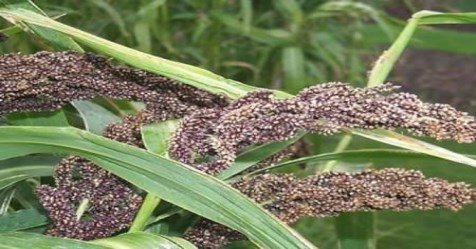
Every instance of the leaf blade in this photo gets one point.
(20, 240)
(22, 219)
(171, 181)
(395, 139)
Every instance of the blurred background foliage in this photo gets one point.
(291, 44)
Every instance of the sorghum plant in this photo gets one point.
(217, 128)
(89, 199)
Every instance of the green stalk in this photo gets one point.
(341, 146)
(156, 138)
(148, 206)
(387, 60)
(214, 39)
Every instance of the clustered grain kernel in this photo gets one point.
(214, 130)
(46, 81)
(112, 204)
(334, 193)
(325, 109)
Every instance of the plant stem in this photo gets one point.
(343, 144)
(148, 206)
(387, 60)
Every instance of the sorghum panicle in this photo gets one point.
(46, 81)
(112, 204)
(259, 118)
(330, 194)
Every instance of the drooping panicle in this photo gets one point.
(46, 81)
(111, 203)
(259, 118)
(334, 193)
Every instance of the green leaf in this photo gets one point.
(395, 139)
(6, 197)
(55, 118)
(56, 39)
(10, 180)
(156, 137)
(293, 66)
(356, 155)
(172, 181)
(11, 30)
(426, 38)
(255, 155)
(143, 36)
(21, 240)
(25, 194)
(181, 242)
(114, 15)
(388, 58)
(17, 169)
(272, 37)
(95, 117)
(247, 14)
(356, 231)
(354, 9)
(146, 210)
(144, 240)
(21, 220)
(147, 16)
(426, 17)
(291, 10)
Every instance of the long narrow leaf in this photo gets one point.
(55, 118)
(272, 37)
(143, 240)
(171, 181)
(253, 156)
(356, 155)
(395, 139)
(17, 169)
(20, 240)
(387, 60)
(426, 17)
(22, 219)
(425, 38)
(156, 137)
(95, 117)
(55, 39)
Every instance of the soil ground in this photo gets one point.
(437, 76)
